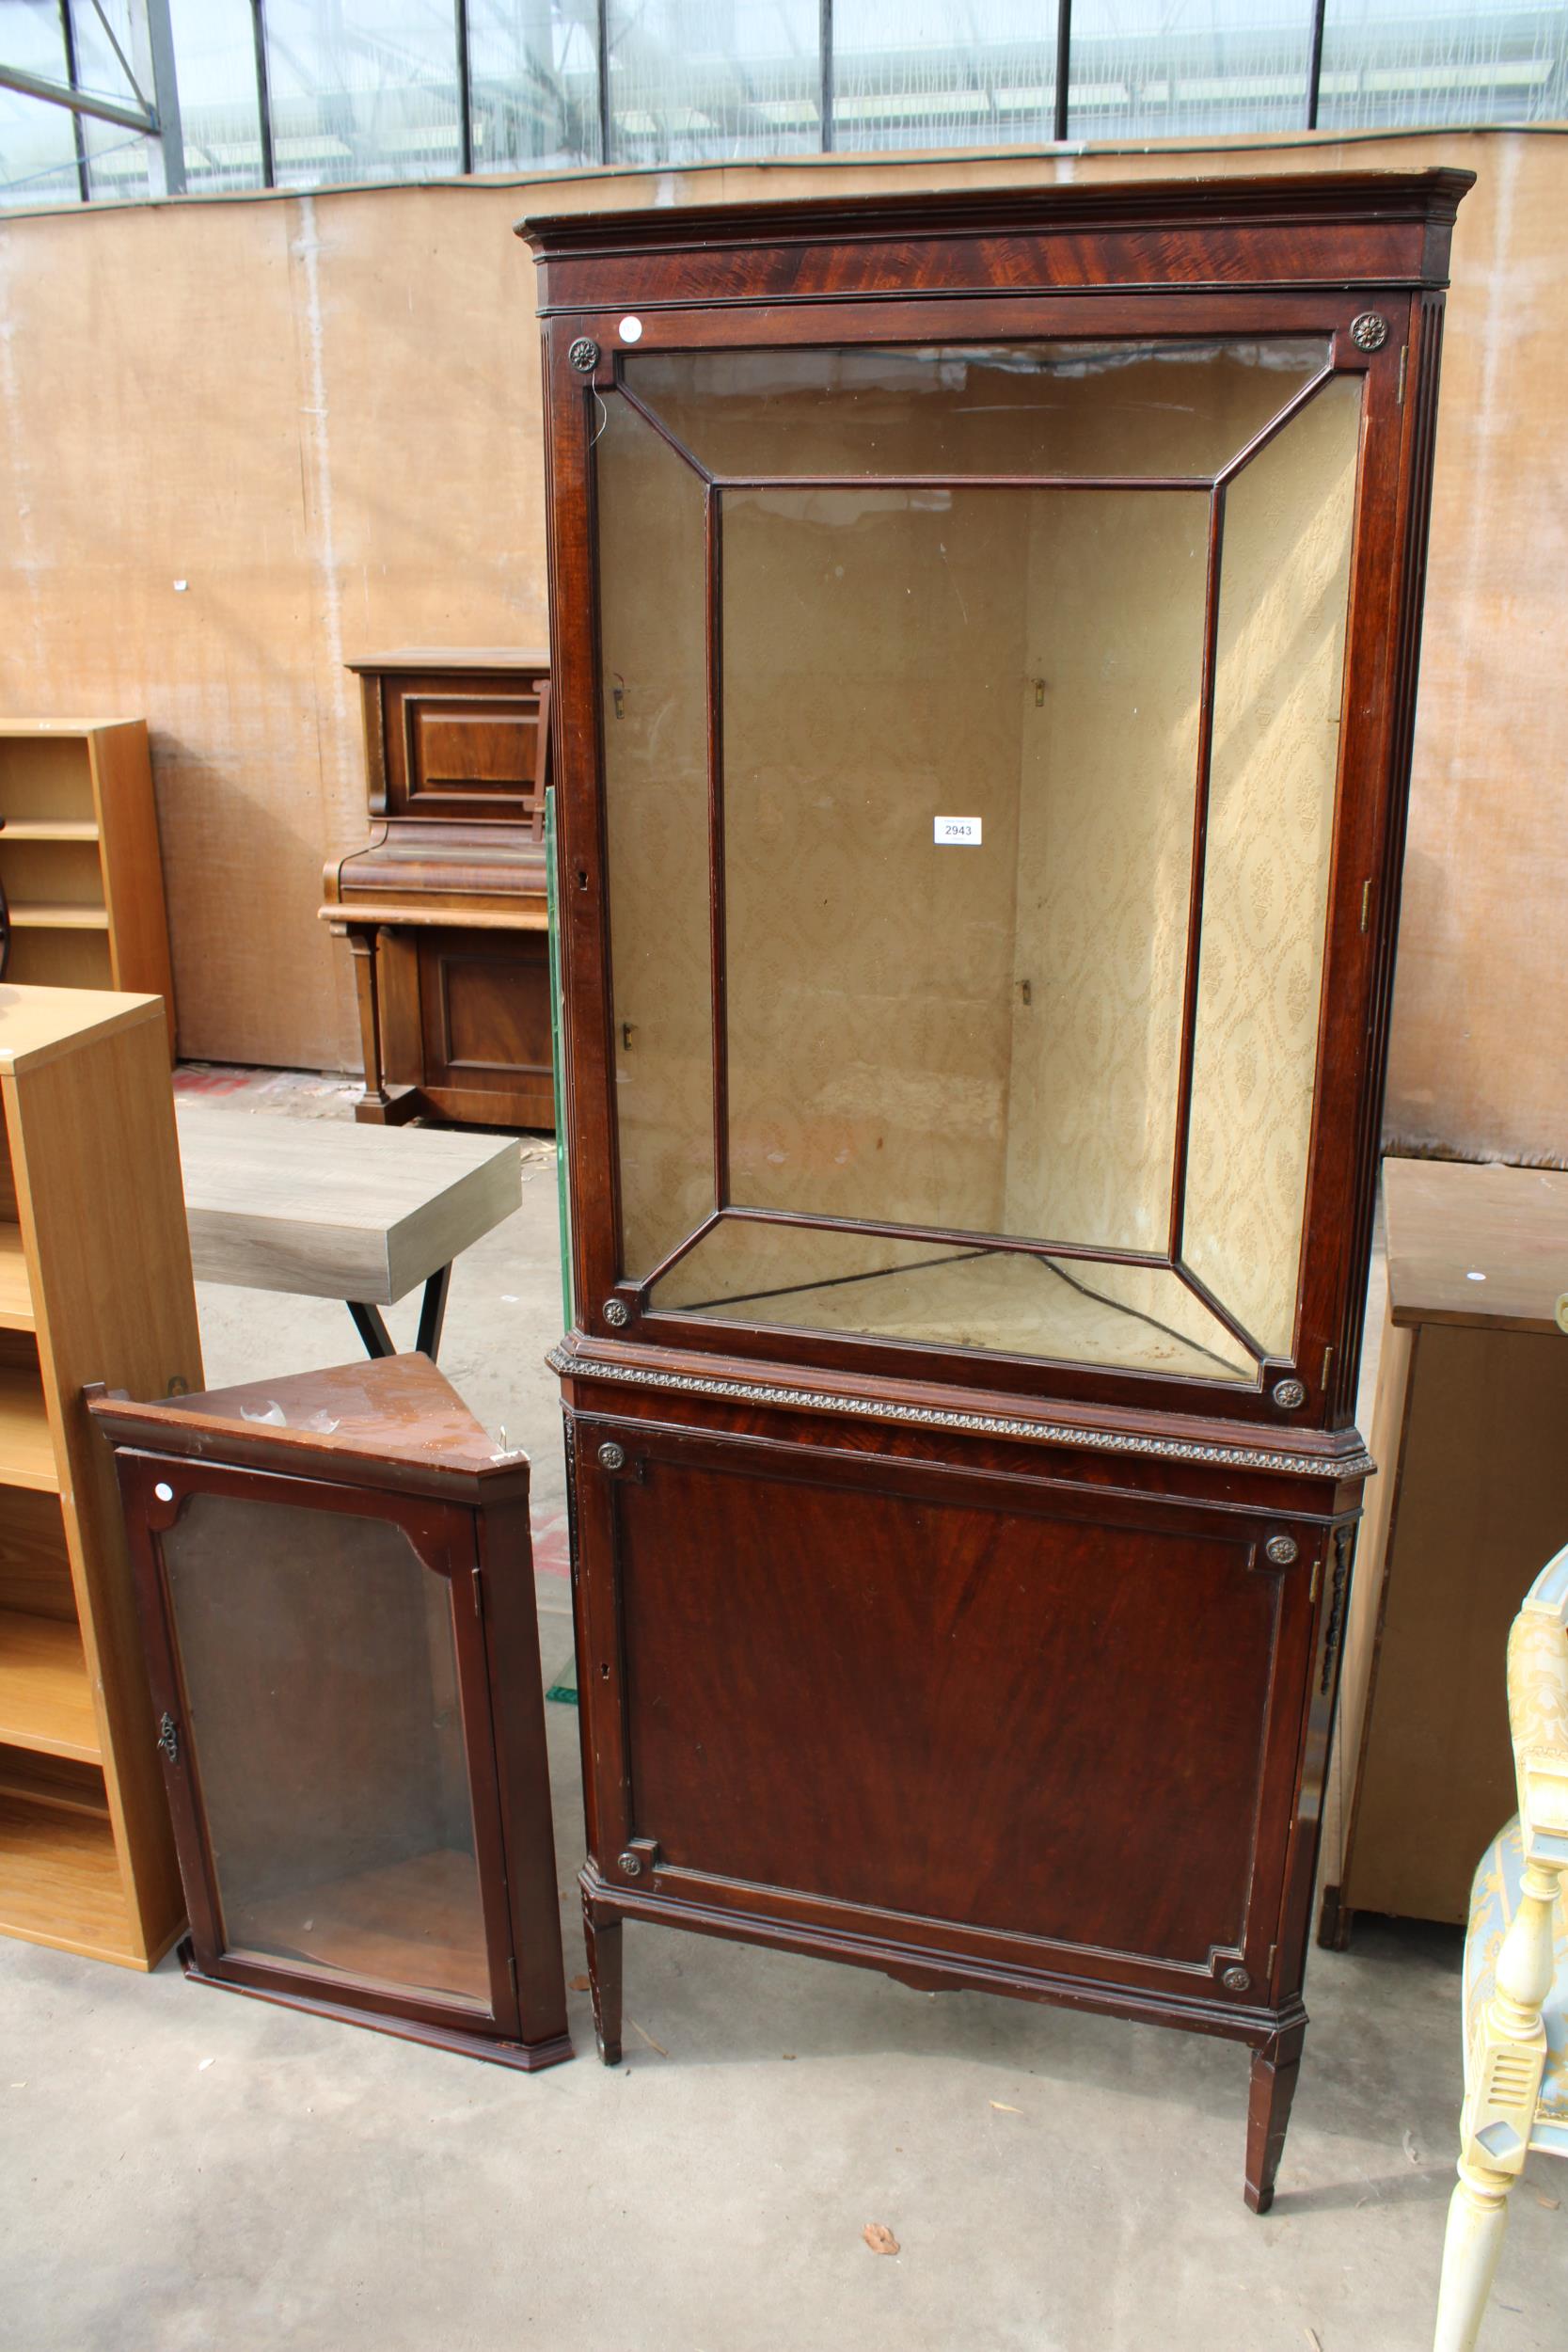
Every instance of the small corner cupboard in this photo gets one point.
(95, 1285)
(985, 646)
(81, 880)
(337, 1591)
(444, 908)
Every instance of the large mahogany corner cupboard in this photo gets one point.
(986, 633)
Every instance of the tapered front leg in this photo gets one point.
(1477, 2213)
(1275, 2068)
(602, 1937)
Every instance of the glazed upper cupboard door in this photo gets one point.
(321, 1682)
(982, 882)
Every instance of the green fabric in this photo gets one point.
(563, 1206)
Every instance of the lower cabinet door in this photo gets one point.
(324, 1716)
(1065, 1722)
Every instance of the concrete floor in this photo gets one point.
(180, 2169)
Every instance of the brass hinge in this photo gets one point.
(1404, 363)
(1273, 1955)
(1317, 1578)
(479, 1606)
(511, 1972)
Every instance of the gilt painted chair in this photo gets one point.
(1515, 1970)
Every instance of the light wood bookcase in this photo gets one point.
(79, 857)
(95, 1285)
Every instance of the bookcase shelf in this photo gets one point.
(79, 854)
(46, 1697)
(95, 1285)
(57, 914)
(61, 1881)
(16, 1291)
(50, 828)
(29, 1777)
(26, 1442)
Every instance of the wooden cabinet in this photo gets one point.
(81, 882)
(444, 908)
(337, 1591)
(1472, 1498)
(986, 633)
(95, 1285)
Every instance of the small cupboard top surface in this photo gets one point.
(983, 723)
(393, 1421)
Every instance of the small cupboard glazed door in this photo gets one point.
(1059, 1730)
(325, 1717)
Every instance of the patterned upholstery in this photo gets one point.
(1494, 1899)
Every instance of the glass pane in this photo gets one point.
(215, 49)
(534, 74)
(116, 158)
(38, 151)
(940, 74)
(702, 80)
(652, 632)
(363, 90)
(214, 52)
(1406, 61)
(326, 1725)
(977, 1038)
(1139, 67)
(1284, 589)
(1074, 408)
(1084, 1311)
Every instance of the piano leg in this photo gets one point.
(375, 1105)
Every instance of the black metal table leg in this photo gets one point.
(372, 1327)
(433, 1311)
(369, 1323)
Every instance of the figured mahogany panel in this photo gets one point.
(948, 1709)
(484, 1010)
(458, 747)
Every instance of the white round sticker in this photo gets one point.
(631, 330)
(165, 1494)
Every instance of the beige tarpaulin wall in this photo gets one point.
(243, 438)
